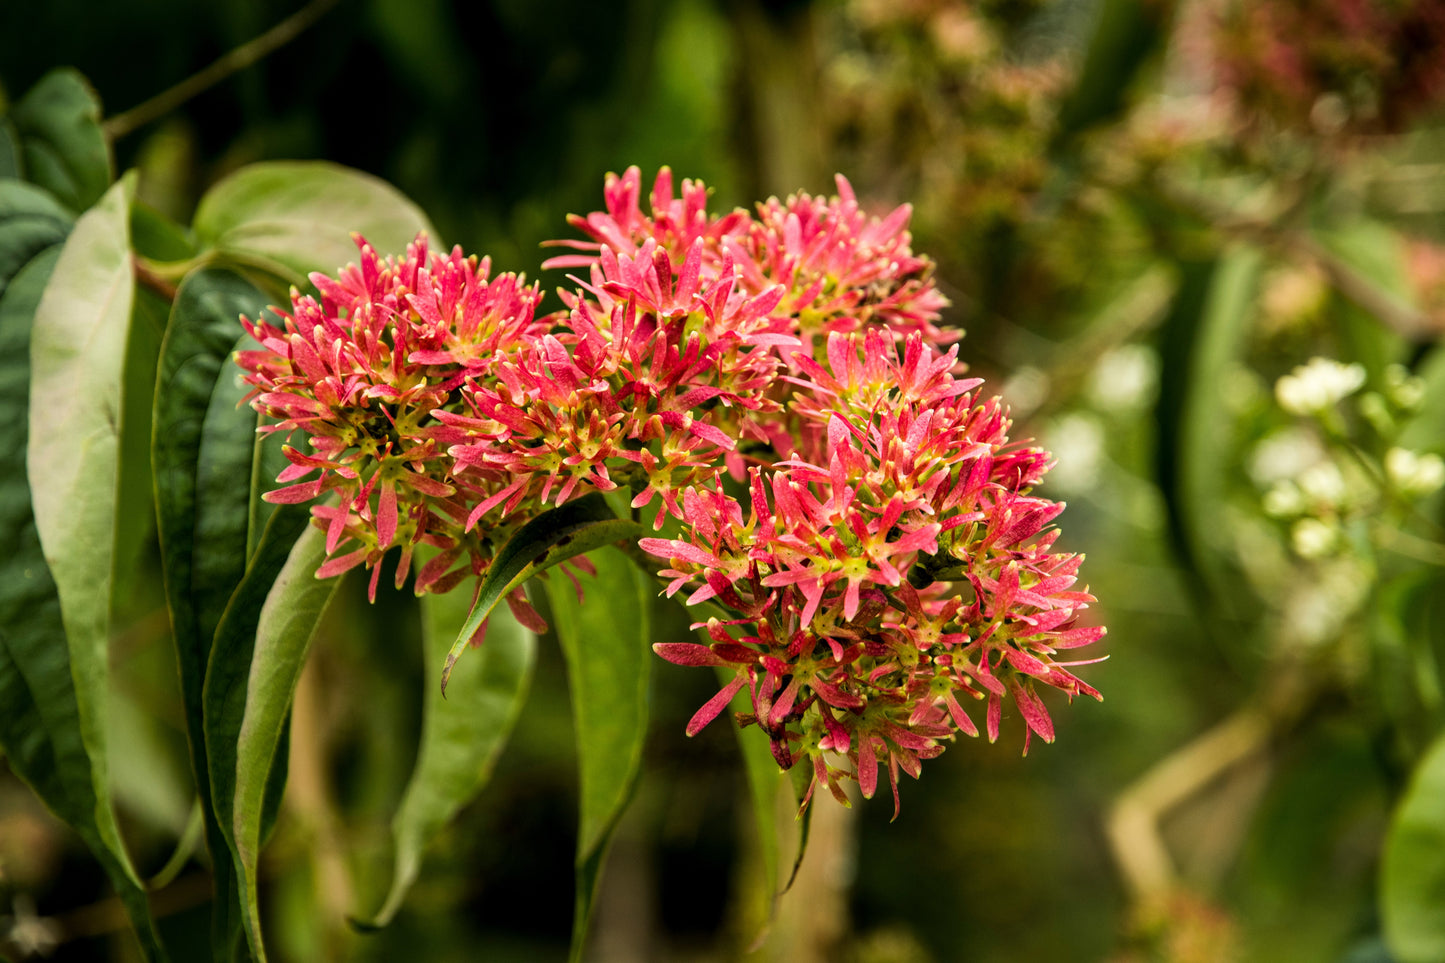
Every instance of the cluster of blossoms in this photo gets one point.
(1344, 459)
(773, 391)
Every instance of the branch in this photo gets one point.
(1135, 821)
(238, 59)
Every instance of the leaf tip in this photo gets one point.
(447, 671)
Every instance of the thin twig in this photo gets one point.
(238, 59)
(1135, 822)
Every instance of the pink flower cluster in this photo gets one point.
(848, 509)
(360, 373)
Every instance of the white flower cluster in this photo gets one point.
(1413, 473)
(1312, 388)
(1319, 489)
(1405, 390)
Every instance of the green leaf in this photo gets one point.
(225, 690)
(77, 351)
(38, 724)
(157, 237)
(1202, 337)
(1412, 876)
(30, 221)
(606, 642)
(462, 735)
(295, 217)
(42, 728)
(202, 444)
(62, 148)
(287, 624)
(554, 536)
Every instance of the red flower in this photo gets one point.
(886, 564)
(363, 374)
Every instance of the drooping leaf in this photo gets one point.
(606, 639)
(1412, 876)
(42, 727)
(223, 705)
(62, 148)
(554, 536)
(462, 735)
(287, 623)
(1202, 337)
(77, 351)
(202, 444)
(295, 217)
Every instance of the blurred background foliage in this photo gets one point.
(1147, 215)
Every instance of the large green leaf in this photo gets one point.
(1412, 876)
(462, 735)
(39, 728)
(287, 623)
(606, 641)
(295, 217)
(202, 445)
(52, 683)
(226, 688)
(77, 351)
(554, 536)
(61, 146)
